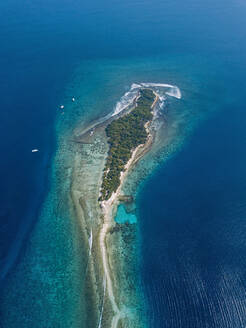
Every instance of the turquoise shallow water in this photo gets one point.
(56, 297)
(193, 227)
(93, 52)
(44, 266)
(123, 217)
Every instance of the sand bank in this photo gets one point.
(96, 219)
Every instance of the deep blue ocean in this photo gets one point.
(191, 210)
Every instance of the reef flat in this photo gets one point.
(129, 137)
(106, 304)
(105, 153)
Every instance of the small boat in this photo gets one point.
(34, 150)
(73, 99)
(62, 106)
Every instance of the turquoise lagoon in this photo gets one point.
(123, 217)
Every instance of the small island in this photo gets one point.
(129, 138)
(124, 135)
(111, 147)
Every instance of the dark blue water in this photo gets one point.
(197, 264)
(194, 232)
(32, 77)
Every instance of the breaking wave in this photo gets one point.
(172, 91)
(126, 100)
(162, 89)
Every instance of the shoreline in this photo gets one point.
(105, 282)
(108, 208)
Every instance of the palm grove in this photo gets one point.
(124, 135)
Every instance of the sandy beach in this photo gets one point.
(108, 210)
(97, 221)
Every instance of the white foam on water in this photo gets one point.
(104, 292)
(90, 242)
(127, 99)
(162, 101)
(173, 92)
(135, 85)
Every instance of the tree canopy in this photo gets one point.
(124, 135)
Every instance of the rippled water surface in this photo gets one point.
(190, 212)
(193, 224)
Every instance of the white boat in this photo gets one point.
(62, 106)
(34, 150)
(73, 99)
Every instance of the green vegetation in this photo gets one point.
(124, 135)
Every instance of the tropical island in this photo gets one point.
(128, 137)
(124, 135)
(105, 153)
